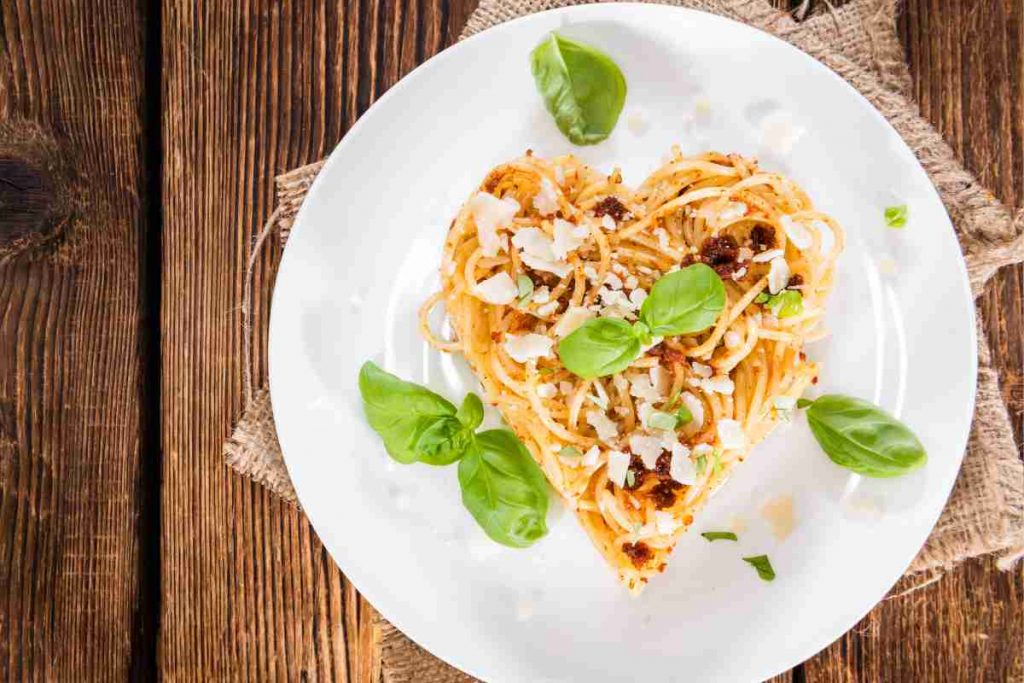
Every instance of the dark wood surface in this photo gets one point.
(137, 150)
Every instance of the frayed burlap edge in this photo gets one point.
(985, 512)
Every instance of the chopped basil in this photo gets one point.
(570, 452)
(719, 536)
(761, 298)
(786, 304)
(702, 464)
(660, 420)
(762, 565)
(683, 415)
(525, 286)
(716, 466)
(896, 216)
(630, 479)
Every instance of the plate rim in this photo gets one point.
(610, 10)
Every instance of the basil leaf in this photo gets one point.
(719, 536)
(471, 412)
(524, 287)
(684, 302)
(415, 423)
(599, 347)
(582, 88)
(762, 298)
(896, 216)
(683, 415)
(570, 453)
(702, 464)
(504, 489)
(762, 565)
(660, 420)
(863, 438)
(786, 303)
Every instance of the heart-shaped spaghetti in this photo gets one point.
(546, 246)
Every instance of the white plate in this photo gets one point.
(365, 252)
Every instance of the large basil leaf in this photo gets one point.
(599, 347)
(504, 489)
(582, 88)
(686, 301)
(416, 424)
(864, 438)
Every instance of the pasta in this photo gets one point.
(546, 245)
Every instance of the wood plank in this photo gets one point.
(967, 62)
(73, 353)
(253, 88)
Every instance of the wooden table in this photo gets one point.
(126, 546)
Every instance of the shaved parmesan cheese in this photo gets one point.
(636, 297)
(664, 522)
(612, 281)
(618, 464)
(590, 458)
(766, 256)
(682, 468)
(798, 234)
(568, 237)
(546, 199)
(732, 339)
(702, 370)
(559, 175)
(541, 295)
(631, 282)
(640, 386)
(719, 385)
(546, 390)
(565, 387)
(778, 134)
(605, 428)
(571, 319)
(784, 402)
(538, 251)
(647, 447)
(730, 433)
(608, 223)
(696, 408)
(491, 214)
(526, 347)
(702, 449)
(643, 411)
(498, 289)
(659, 379)
(547, 309)
(662, 238)
(732, 211)
(778, 275)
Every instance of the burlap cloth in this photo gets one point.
(985, 513)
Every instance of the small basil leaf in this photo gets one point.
(720, 536)
(684, 302)
(684, 415)
(415, 423)
(504, 489)
(786, 304)
(599, 347)
(570, 453)
(661, 420)
(702, 464)
(524, 287)
(762, 565)
(896, 216)
(471, 412)
(762, 298)
(863, 438)
(581, 86)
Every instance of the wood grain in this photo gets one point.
(253, 88)
(968, 67)
(72, 352)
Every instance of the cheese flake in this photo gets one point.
(571, 320)
(798, 234)
(730, 433)
(665, 523)
(606, 429)
(491, 214)
(527, 347)
(498, 289)
(778, 275)
(682, 468)
(618, 465)
(546, 199)
(719, 384)
(648, 448)
(568, 238)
